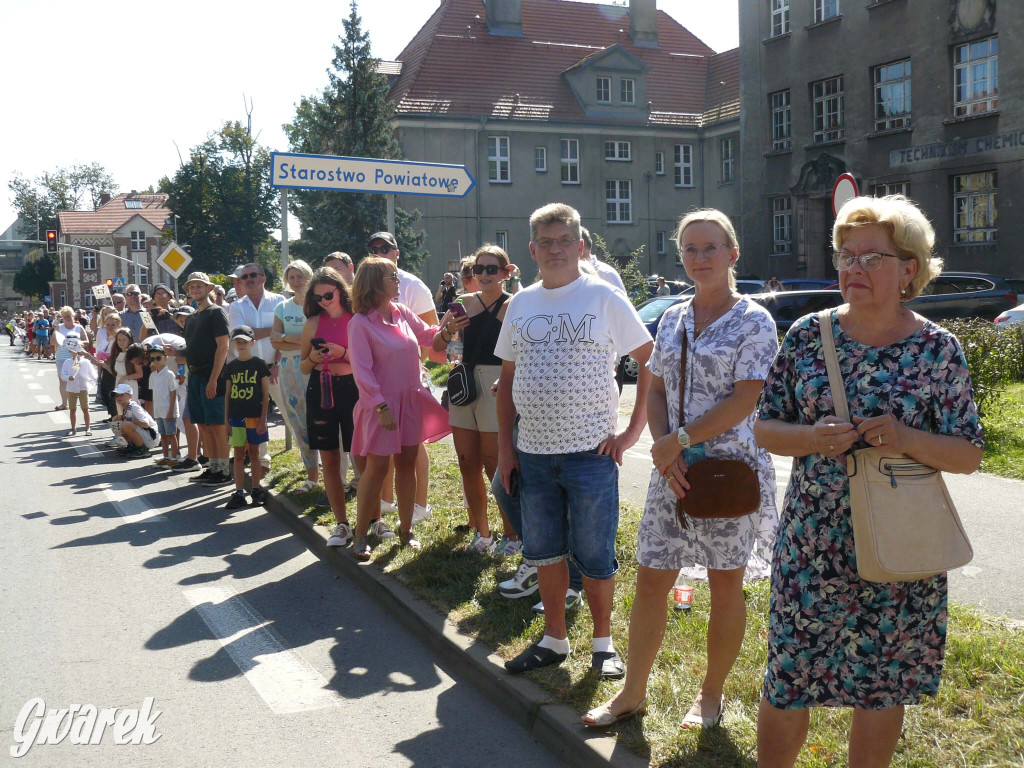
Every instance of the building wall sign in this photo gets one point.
(945, 150)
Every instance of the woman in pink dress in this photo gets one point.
(395, 412)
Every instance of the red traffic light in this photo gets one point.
(110, 283)
(51, 241)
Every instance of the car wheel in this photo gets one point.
(630, 368)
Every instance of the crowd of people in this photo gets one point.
(535, 419)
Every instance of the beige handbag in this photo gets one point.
(905, 526)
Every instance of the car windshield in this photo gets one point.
(654, 308)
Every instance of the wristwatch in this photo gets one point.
(684, 439)
(381, 408)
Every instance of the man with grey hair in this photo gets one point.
(560, 342)
(131, 315)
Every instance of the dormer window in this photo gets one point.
(604, 90)
(627, 90)
(130, 204)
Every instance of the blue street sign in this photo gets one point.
(363, 174)
(119, 283)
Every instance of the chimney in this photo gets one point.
(643, 22)
(104, 198)
(505, 17)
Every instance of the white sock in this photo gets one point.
(603, 645)
(554, 644)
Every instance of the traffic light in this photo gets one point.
(110, 284)
(51, 241)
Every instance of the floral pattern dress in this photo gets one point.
(738, 346)
(835, 639)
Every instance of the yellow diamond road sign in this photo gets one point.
(174, 260)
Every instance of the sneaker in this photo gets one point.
(236, 500)
(305, 486)
(421, 513)
(203, 477)
(188, 465)
(507, 547)
(523, 584)
(380, 529)
(138, 452)
(118, 442)
(218, 478)
(341, 535)
(259, 496)
(204, 460)
(387, 506)
(572, 602)
(480, 544)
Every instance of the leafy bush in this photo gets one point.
(995, 357)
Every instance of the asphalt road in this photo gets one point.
(121, 582)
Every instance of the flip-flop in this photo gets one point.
(602, 717)
(61, 408)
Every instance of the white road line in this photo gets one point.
(28, 376)
(45, 400)
(41, 373)
(33, 385)
(128, 503)
(86, 450)
(282, 678)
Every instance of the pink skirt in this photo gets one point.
(421, 419)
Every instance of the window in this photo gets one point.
(570, 161)
(627, 89)
(782, 225)
(781, 121)
(728, 162)
(974, 207)
(540, 159)
(501, 239)
(976, 77)
(825, 10)
(604, 90)
(780, 17)
(89, 261)
(141, 275)
(498, 159)
(618, 202)
(659, 163)
(616, 150)
(684, 165)
(891, 188)
(88, 300)
(138, 241)
(132, 204)
(660, 238)
(827, 98)
(892, 96)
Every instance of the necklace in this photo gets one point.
(712, 314)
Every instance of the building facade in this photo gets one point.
(903, 94)
(617, 111)
(128, 225)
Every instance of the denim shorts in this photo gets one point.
(203, 409)
(570, 510)
(167, 427)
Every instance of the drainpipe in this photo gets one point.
(479, 182)
(700, 148)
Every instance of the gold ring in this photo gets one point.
(879, 439)
(831, 447)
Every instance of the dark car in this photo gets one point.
(675, 287)
(954, 295)
(807, 283)
(789, 306)
(650, 313)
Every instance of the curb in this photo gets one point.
(553, 725)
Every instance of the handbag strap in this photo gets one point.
(682, 377)
(835, 377)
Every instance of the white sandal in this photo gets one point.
(695, 717)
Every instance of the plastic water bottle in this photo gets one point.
(682, 594)
(326, 389)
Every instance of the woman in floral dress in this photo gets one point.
(836, 640)
(731, 343)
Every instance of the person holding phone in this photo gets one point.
(331, 393)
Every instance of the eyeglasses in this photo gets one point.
(321, 297)
(546, 244)
(394, 276)
(490, 269)
(869, 261)
(384, 249)
(133, 293)
(708, 251)
(250, 276)
(119, 301)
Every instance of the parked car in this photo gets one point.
(1018, 286)
(786, 307)
(1013, 316)
(807, 283)
(650, 313)
(954, 295)
(675, 287)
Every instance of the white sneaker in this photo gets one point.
(523, 584)
(572, 601)
(118, 442)
(380, 529)
(421, 513)
(480, 544)
(387, 506)
(340, 535)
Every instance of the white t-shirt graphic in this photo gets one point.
(565, 343)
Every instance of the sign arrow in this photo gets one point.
(362, 174)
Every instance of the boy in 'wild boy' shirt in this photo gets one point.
(247, 398)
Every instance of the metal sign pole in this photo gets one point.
(284, 283)
(391, 213)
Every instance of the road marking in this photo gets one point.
(127, 501)
(45, 400)
(40, 373)
(28, 376)
(87, 451)
(33, 385)
(282, 678)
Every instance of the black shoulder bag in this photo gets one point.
(461, 381)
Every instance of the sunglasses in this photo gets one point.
(384, 249)
(155, 358)
(320, 297)
(133, 293)
(490, 269)
(394, 276)
(249, 276)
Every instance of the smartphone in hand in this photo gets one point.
(319, 344)
(457, 309)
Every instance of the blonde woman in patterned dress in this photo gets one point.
(731, 343)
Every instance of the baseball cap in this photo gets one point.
(243, 332)
(157, 348)
(161, 286)
(186, 310)
(122, 389)
(387, 237)
(238, 271)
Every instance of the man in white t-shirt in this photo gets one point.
(606, 272)
(560, 342)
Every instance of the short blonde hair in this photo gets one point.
(301, 267)
(368, 286)
(65, 309)
(911, 233)
(720, 220)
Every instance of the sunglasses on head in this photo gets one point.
(490, 269)
(383, 249)
(249, 276)
(319, 297)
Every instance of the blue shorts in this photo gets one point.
(203, 409)
(167, 427)
(244, 431)
(570, 510)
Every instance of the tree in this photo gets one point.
(350, 117)
(77, 188)
(632, 276)
(34, 278)
(223, 198)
